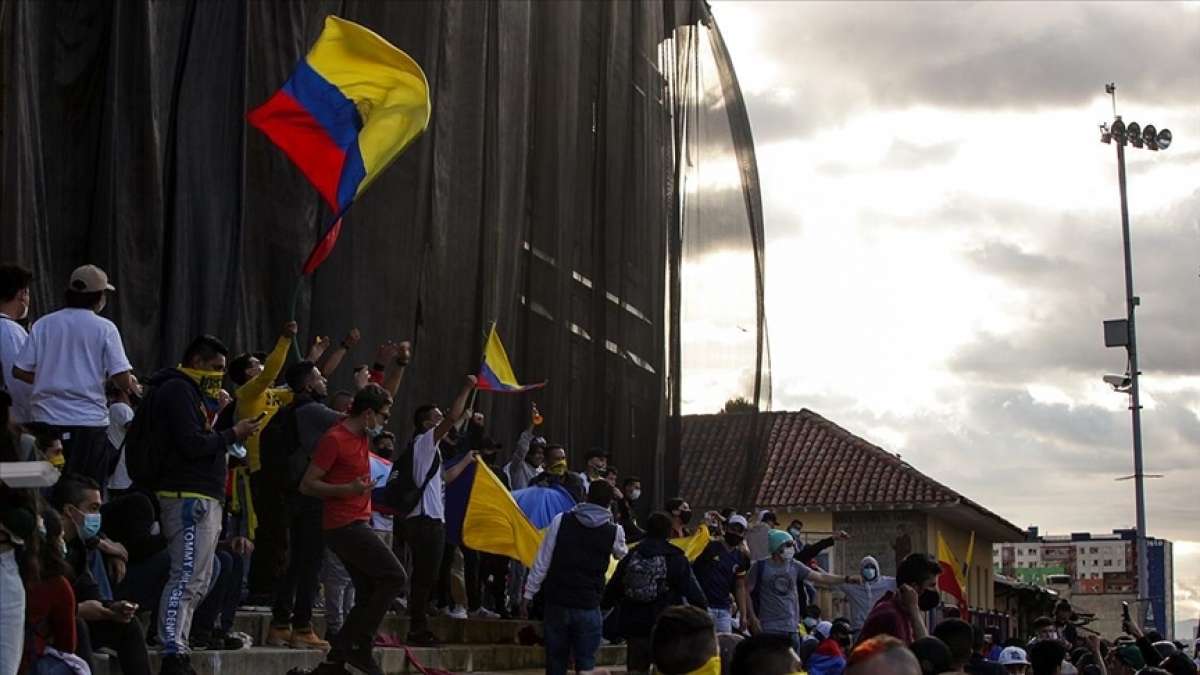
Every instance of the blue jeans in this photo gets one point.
(571, 631)
(722, 619)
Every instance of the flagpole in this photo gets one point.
(295, 301)
(482, 356)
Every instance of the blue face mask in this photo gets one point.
(91, 526)
(869, 574)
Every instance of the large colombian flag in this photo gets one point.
(496, 373)
(352, 105)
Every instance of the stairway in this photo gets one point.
(479, 646)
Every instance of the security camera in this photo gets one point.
(1118, 382)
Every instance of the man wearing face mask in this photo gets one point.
(721, 571)
(110, 623)
(862, 597)
(681, 516)
(190, 485)
(774, 586)
(555, 473)
(69, 356)
(900, 613)
(631, 492)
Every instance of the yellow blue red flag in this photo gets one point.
(496, 373)
(352, 105)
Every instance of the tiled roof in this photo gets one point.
(804, 462)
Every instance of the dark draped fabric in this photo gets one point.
(542, 196)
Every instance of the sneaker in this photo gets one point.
(484, 613)
(363, 660)
(423, 638)
(176, 664)
(455, 612)
(279, 636)
(305, 638)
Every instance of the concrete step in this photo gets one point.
(455, 658)
(450, 631)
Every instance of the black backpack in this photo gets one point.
(143, 460)
(645, 578)
(401, 494)
(279, 444)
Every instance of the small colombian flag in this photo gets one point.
(496, 373)
(352, 105)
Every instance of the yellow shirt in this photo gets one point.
(258, 396)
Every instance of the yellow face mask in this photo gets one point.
(557, 468)
(209, 382)
(711, 667)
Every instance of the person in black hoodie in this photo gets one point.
(654, 576)
(190, 485)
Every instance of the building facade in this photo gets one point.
(1095, 565)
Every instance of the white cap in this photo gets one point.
(89, 279)
(737, 519)
(1013, 656)
(825, 628)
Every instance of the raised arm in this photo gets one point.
(255, 387)
(333, 359)
(395, 371)
(456, 410)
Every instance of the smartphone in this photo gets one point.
(261, 416)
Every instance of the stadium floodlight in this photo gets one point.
(1164, 139)
(1150, 135)
(1134, 131)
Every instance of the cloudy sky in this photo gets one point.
(944, 242)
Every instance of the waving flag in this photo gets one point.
(496, 373)
(352, 105)
(481, 514)
(952, 579)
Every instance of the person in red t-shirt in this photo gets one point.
(900, 613)
(340, 473)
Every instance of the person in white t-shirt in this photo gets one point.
(14, 307)
(424, 529)
(68, 358)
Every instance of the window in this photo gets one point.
(1108, 563)
(1095, 575)
(1093, 550)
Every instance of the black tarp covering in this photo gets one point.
(542, 194)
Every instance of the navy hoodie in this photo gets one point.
(194, 455)
(637, 618)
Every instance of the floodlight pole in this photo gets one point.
(1131, 302)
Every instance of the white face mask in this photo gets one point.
(634, 494)
(788, 552)
(869, 573)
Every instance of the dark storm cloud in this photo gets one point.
(840, 57)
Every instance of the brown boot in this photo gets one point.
(306, 638)
(279, 636)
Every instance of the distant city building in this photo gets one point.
(1094, 564)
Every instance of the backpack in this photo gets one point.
(143, 460)
(645, 577)
(279, 446)
(401, 494)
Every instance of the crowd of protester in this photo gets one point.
(213, 486)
